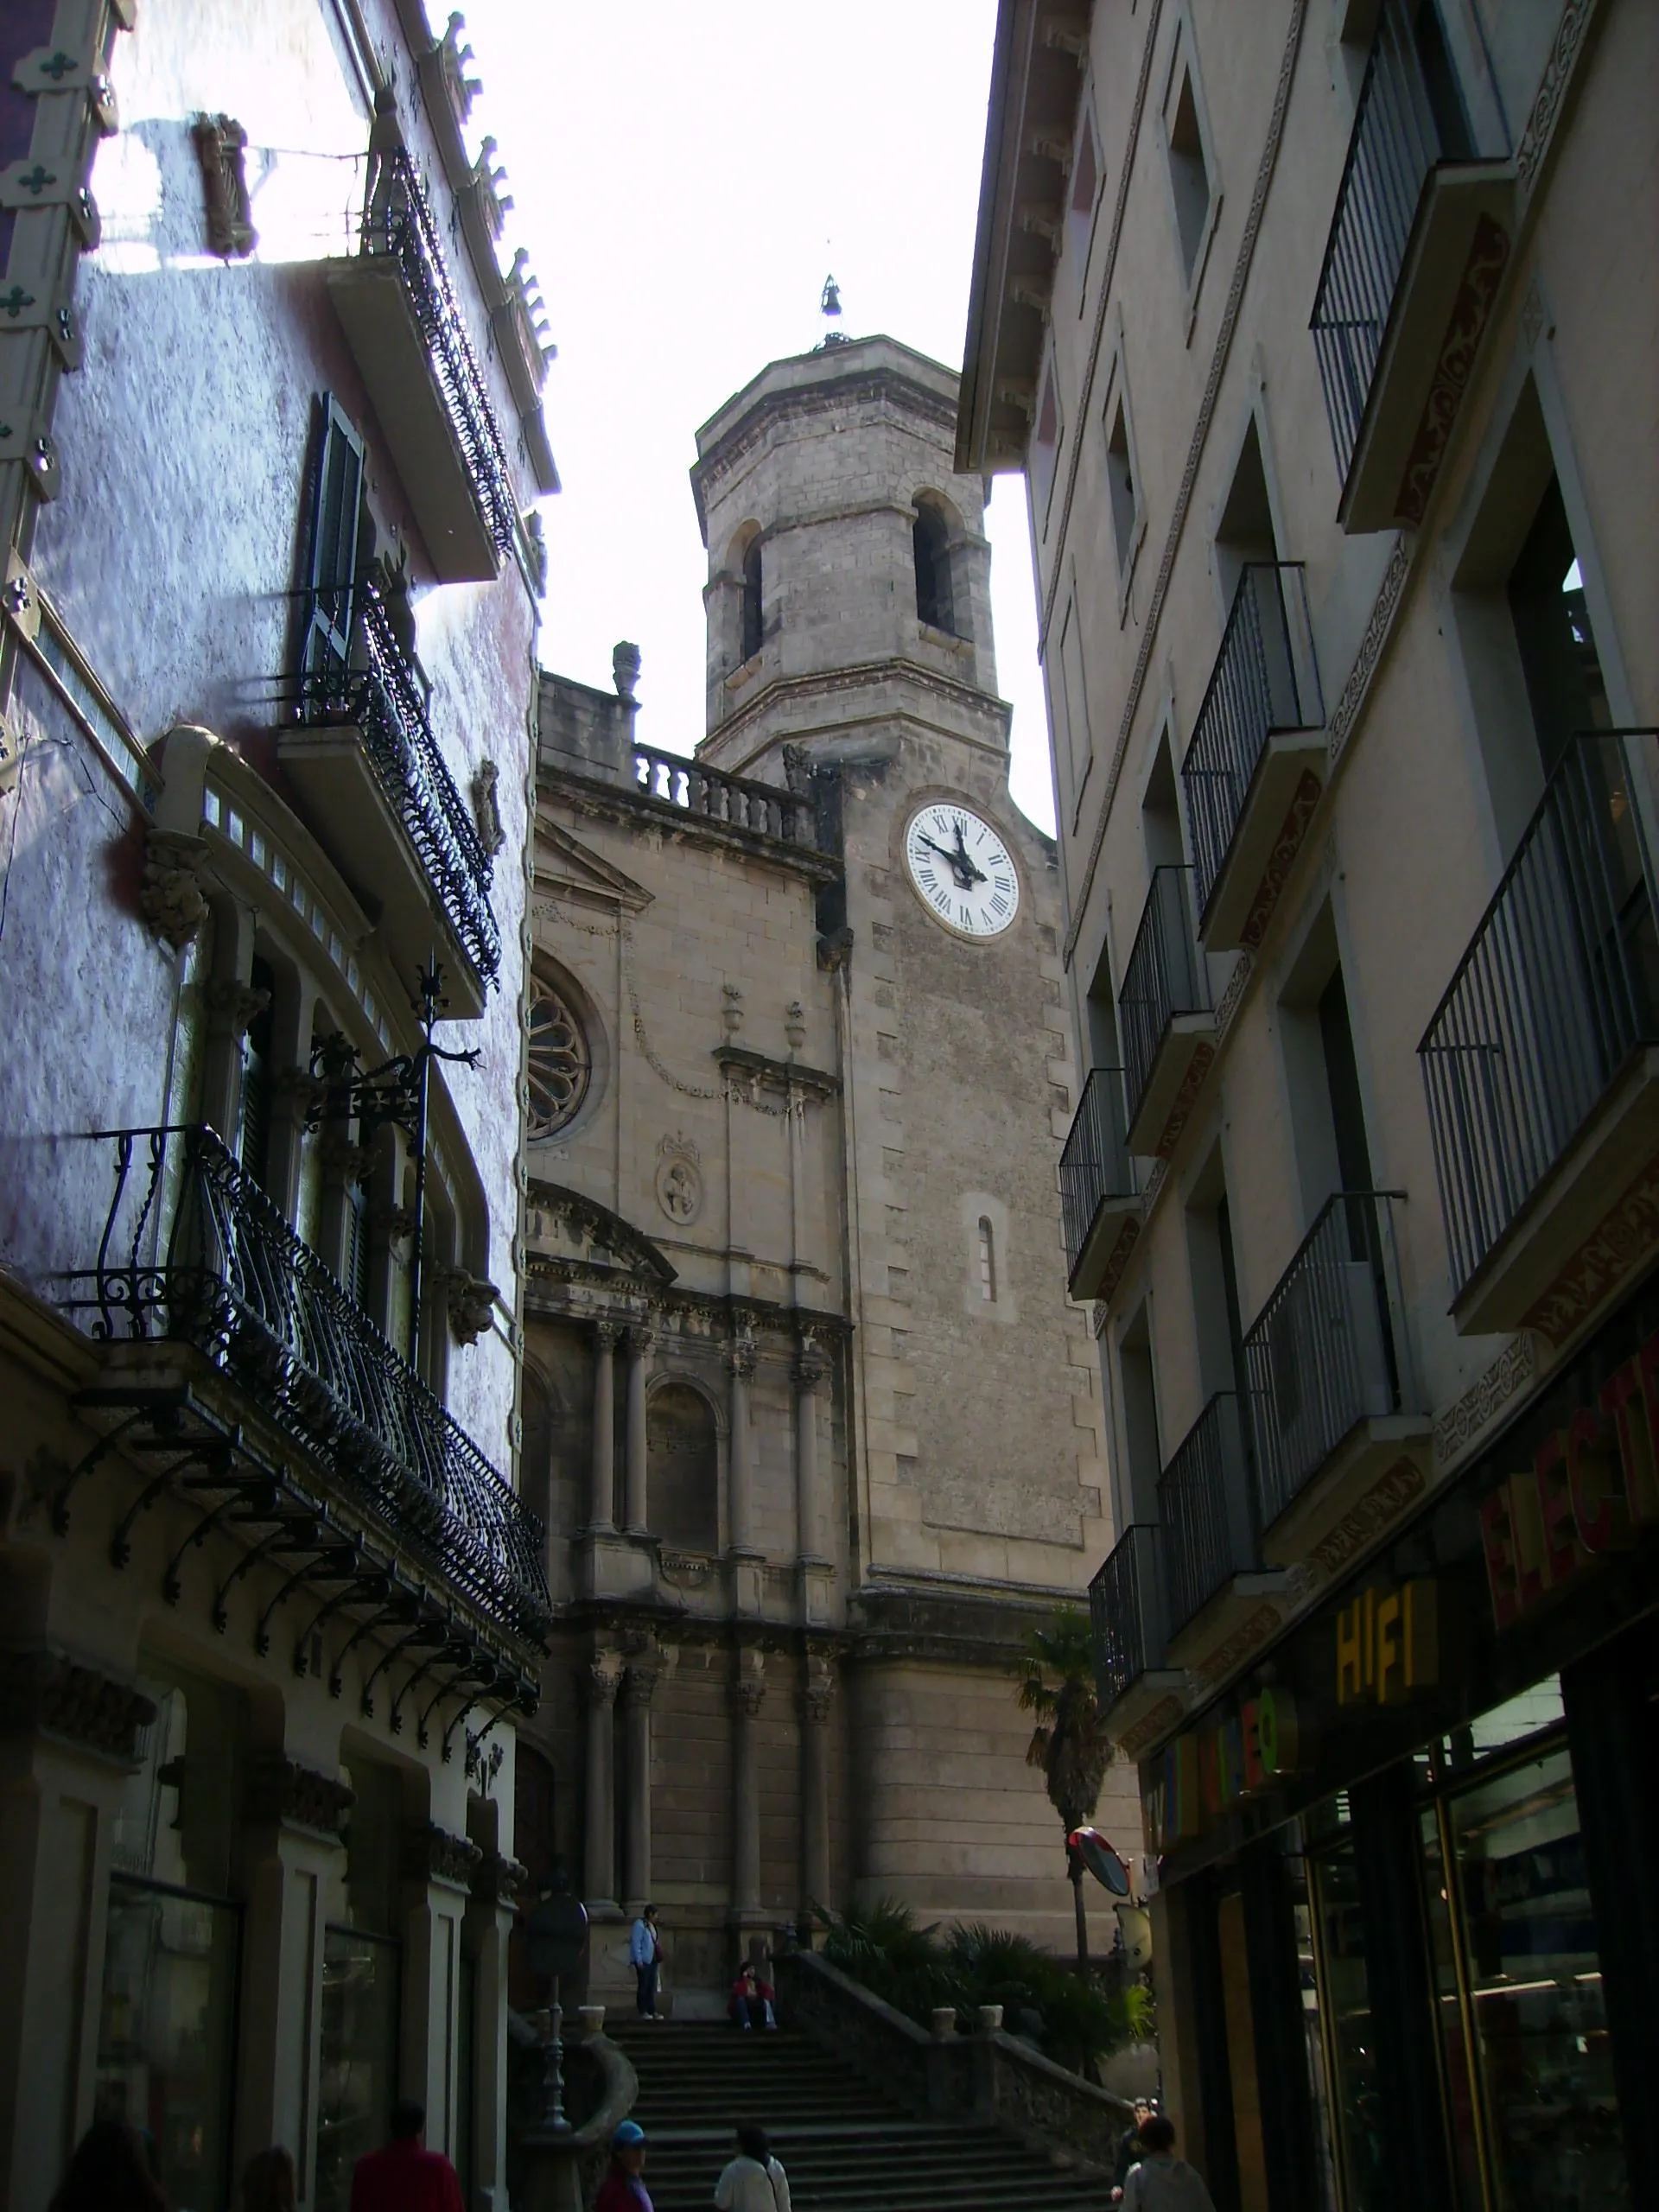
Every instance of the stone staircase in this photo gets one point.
(845, 2148)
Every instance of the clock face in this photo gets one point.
(962, 869)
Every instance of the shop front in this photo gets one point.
(1411, 1943)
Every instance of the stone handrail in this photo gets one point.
(992, 2078)
(739, 801)
(561, 2173)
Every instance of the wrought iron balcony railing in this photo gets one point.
(1321, 1356)
(1166, 976)
(1264, 680)
(381, 699)
(713, 796)
(1205, 1504)
(228, 1274)
(1558, 987)
(400, 226)
(1094, 1163)
(1127, 1608)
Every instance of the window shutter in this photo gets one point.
(331, 569)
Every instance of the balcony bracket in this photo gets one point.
(1183, 1060)
(1377, 1472)
(1202, 1644)
(1286, 788)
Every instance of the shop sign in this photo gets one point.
(1388, 1644)
(1209, 1771)
(1591, 1483)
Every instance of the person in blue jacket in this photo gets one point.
(645, 1957)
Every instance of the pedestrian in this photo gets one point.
(111, 2172)
(752, 2001)
(405, 2176)
(622, 2190)
(1163, 2182)
(645, 1957)
(754, 2181)
(1129, 2147)
(269, 2184)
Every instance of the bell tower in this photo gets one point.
(850, 642)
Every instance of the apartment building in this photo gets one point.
(270, 432)
(1324, 332)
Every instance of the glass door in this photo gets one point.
(360, 1992)
(1356, 2114)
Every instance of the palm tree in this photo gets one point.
(1056, 1672)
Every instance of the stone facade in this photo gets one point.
(822, 1434)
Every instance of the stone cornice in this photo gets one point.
(713, 1318)
(47, 1692)
(861, 677)
(746, 1066)
(607, 1233)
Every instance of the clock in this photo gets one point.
(962, 869)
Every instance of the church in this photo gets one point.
(817, 1435)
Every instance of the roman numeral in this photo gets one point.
(999, 905)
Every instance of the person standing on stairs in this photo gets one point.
(1163, 2182)
(645, 1957)
(754, 2181)
(622, 2190)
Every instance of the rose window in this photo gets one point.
(560, 1063)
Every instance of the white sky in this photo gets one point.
(684, 177)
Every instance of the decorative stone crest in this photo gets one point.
(679, 1180)
(221, 149)
(472, 1301)
(170, 894)
(487, 811)
(432, 1854)
(45, 1691)
(281, 1793)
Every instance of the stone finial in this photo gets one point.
(625, 669)
(731, 1012)
(795, 1024)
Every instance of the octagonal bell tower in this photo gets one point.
(850, 640)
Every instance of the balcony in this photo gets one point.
(1541, 1061)
(1207, 1510)
(1419, 244)
(1127, 1608)
(382, 802)
(737, 801)
(1100, 1206)
(332, 1442)
(1329, 1405)
(1164, 1018)
(1256, 767)
(403, 324)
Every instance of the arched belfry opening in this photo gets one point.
(749, 640)
(931, 537)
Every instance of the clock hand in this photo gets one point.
(956, 862)
(971, 875)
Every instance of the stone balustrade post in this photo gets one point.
(603, 1484)
(602, 1681)
(638, 1345)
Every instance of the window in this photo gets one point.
(681, 1465)
(1565, 686)
(987, 1261)
(1085, 187)
(561, 1062)
(1189, 171)
(1123, 484)
(331, 564)
(253, 1145)
(1075, 699)
(752, 629)
(1044, 449)
(362, 1972)
(931, 539)
(1137, 1395)
(1244, 532)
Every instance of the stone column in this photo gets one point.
(748, 1694)
(810, 1370)
(602, 1486)
(638, 1685)
(816, 1702)
(599, 1838)
(638, 1342)
(740, 1358)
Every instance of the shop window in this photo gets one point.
(362, 1970)
(168, 2016)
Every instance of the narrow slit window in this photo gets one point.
(987, 1261)
(751, 637)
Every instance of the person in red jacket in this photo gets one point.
(405, 2176)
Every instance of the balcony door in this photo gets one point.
(1565, 689)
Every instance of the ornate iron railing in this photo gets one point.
(714, 796)
(1559, 987)
(1094, 1163)
(382, 699)
(1396, 144)
(1322, 1355)
(194, 1251)
(1127, 1608)
(401, 226)
(1166, 976)
(1264, 679)
(1207, 1509)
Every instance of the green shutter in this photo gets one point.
(331, 567)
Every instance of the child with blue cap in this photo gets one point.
(622, 2190)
